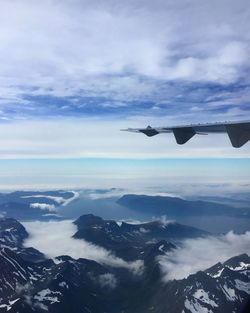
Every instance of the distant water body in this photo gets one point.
(109, 209)
(217, 224)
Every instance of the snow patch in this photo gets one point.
(9, 306)
(242, 266)
(161, 248)
(64, 285)
(195, 307)
(229, 293)
(218, 274)
(243, 286)
(48, 295)
(203, 296)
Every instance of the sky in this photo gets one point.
(73, 73)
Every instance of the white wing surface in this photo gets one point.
(238, 132)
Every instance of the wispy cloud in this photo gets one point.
(43, 206)
(119, 65)
(135, 56)
(200, 254)
(108, 280)
(55, 239)
(86, 137)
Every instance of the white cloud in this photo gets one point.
(121, 51)
(158, 40)
(200, 254)
(43, 206)
(92, 137)
(55, 239)
(165, 221)
(118, 192)
(59, 142)
(2, 214)
(108, 280)
(58, 200)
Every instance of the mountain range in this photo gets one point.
(31, 282)
(174, 206)
(59, 204)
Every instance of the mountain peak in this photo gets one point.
(12, 232)
(88, 220)
(241, 261)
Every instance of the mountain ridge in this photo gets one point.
(65, 285)
(174, 206)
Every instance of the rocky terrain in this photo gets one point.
(30, 282)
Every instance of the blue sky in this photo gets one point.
(76, 58)
(74, 72)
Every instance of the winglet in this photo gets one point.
(238, 134)
(182, 135)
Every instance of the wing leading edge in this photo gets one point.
(238, 132)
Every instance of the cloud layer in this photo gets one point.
(200, 254)
(76, 57)
(55, 239)
(95, 137)
(75, 72)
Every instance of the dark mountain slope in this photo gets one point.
(65, 285)
(130, 241)
(159, 205)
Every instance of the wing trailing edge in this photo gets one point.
(238, 132)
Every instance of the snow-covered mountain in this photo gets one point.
(133, 241)
(29, 282)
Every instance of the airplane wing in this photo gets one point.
(238, 132)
